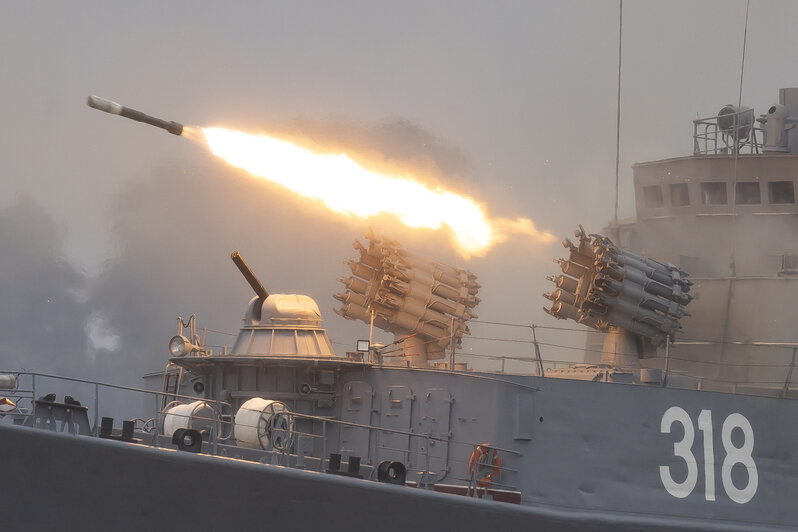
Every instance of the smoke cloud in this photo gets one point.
(43, 312)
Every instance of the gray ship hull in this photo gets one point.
(593, 463)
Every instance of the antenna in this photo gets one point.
(734, 187)
(616, 231)
(737, 116)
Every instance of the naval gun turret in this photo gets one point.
(279, 324)
(281, 356)
(638, 300)
(424, 303)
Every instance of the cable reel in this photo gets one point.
(264, 424)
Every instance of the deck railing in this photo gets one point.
(219, 439)
(709, 138)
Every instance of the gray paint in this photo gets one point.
(734, 254)
(591, 464)
(581, 445)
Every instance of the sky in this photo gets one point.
(110, 229)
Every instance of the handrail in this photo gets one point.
(426, 453)
(396, 431)
(216, 405)
(731, 143)
(109, 385)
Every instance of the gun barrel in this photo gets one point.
(117, 109)
(248, 275)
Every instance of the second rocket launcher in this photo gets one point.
(117, 109)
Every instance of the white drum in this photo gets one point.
(264, 424)
(8, 381)
(198, 415)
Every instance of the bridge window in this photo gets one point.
(679, 195)
(713, 194)
(748, 193)
(653, 196)
(780, 192)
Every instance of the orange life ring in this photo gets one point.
(482, 458)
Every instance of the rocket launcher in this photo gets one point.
(604, 287)
(408, 295)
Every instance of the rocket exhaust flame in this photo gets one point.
(347, 188)
(344, 186)
(194, 133)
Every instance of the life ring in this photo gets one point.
(482, 458)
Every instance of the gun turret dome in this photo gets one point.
(283, 311)
(279, 324)
(283, 325)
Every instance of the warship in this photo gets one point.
(679, 415)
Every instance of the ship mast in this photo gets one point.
(739, 107)
(616, 230)
(734, 191)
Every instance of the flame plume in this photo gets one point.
(347, 188)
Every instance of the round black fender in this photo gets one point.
(188, 440)
(391, 472)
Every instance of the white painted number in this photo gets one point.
(739, 455)
(682, 450)
(734, 455)
(705, 426)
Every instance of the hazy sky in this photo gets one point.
(512, 103)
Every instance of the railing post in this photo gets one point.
(537, 352)
(157, 422)
(96, 409)
(371, 329)
(695, 137)
(451, 355)
(213, 437)
(426, 466)
(706, 141)
(323, 445)
(789, 373)
(377, 445)
(667, 360)
(472, 473)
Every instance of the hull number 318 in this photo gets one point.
(735, 456)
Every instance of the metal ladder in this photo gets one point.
(172, 377)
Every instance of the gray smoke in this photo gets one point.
(43, 311)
